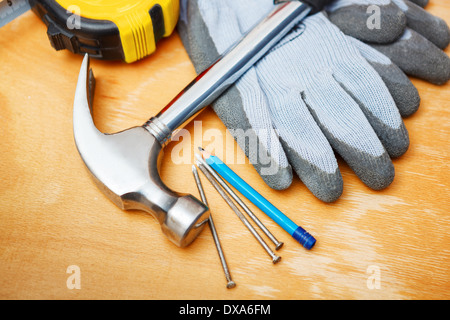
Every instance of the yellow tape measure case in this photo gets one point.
(108, 29)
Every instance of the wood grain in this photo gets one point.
(53, 216)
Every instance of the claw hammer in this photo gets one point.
(125, 165)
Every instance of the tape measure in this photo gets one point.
(105, 29)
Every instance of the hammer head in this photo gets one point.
(125, 167)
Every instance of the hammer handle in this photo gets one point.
(212, 82)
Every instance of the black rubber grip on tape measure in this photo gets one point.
(316, 5)
(99, 38)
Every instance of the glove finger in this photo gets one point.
(244, 110)
(418, 57)
(374, 99)
(354, 19)
(403, 91)
(307, 149)
(431, 27)
(349, 132)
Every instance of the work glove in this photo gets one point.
(402, 30)
(312, 93)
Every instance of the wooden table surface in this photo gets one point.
(390, 244)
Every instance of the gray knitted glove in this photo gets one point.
(313, 92)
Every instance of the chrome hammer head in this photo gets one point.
(125, 164)
(125, 167)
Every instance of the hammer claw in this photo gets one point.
(125, 167)
(125, 164)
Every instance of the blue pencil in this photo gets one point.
(297, 232)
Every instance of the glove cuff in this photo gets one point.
(316, 5)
